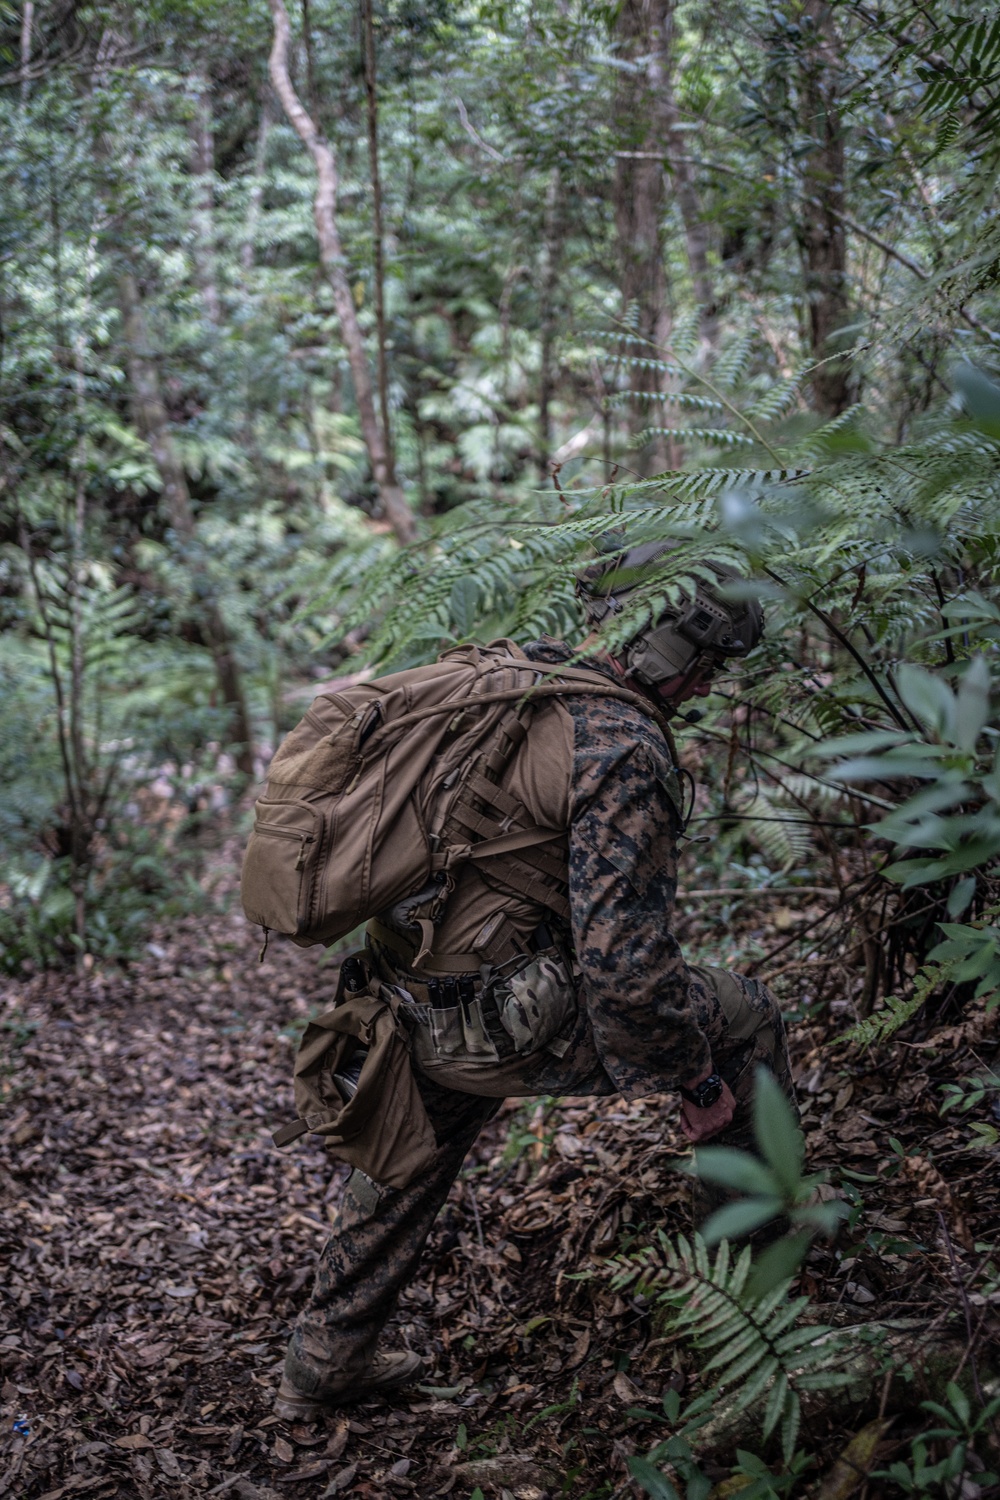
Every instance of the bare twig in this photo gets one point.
(473, 133)
(911, 265)
(767, 890)
(371, 92)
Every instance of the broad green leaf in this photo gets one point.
(973, 704)
(775, 1405)
(753, 1465)
(735, 1169)
(851, 744)
(653, 1482)
(921, 761)
(778, 1263)
(928, 697)
(736, 1219)
(980, 398)
(961, 895)
(959, 1402)
(463, 605)
(777, 1132)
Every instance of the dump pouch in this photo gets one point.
(383, 1129)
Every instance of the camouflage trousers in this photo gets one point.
(379, 1233)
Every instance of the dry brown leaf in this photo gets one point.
(934, 1189)
(341, 1481)
(167, 1461)
(625, 1390)
(851, 1468)
(338, 1442)
(307, 1471)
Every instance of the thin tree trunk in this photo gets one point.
(552, 244)
(151, 418)
(642, 26)
(821, 234)
(203, 167)
(390, 494)
(27, 25)
(88, 804)
(312, 98)
(248, 248)
(371, 91)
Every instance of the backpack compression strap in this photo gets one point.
(485, 809)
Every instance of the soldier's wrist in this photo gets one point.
(696, 1078)
(706, 1092)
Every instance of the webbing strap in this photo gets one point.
(527, 694)
(475, 822)
(490, 792)
(521, 838)
(290, 1132)
(543, 859)
(447, 963)
(528, 884)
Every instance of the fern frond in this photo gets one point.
(763, 1349)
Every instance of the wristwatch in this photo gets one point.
(706, 1093)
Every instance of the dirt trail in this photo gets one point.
(155, 1247)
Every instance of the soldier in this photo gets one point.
(549, 978)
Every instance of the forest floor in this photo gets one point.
(156, 1246)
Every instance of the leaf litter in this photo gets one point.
(156, 1247)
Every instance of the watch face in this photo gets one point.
(709, 1092)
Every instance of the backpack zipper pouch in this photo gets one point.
(281, 865)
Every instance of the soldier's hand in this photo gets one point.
(699, 1124)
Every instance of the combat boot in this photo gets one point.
(387, 1372)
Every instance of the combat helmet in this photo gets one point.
(703, 625)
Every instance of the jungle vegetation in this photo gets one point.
(334, 333)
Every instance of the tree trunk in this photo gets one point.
(821, 233)
(552, 244)
(371, 91)
(203, 168)
(331, 254)
(151, 418)
(27, 24)
(642, 32)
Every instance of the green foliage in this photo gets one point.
(949, 828)
(895, 1013)
(959, 1425)
(758, 1349)
(772, 1185)
(968, 1094)
(761, 1482)
(505, 150)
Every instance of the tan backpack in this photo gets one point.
(364, 794)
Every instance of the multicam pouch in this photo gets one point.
(495, 1043)
(535, 1002)
(459, 1033)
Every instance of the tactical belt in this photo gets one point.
(436, 994)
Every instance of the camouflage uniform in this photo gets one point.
(646, 1021)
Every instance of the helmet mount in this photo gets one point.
(706, 626)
